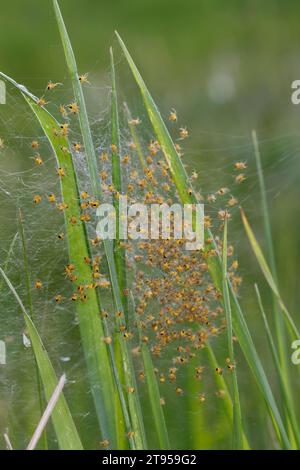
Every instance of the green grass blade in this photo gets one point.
(221, 384)
(285, 393)
(63, 423)
(264, 205)
(119, 252)
(90, 324)
(120, 259)
(40, 429)
(152, 386)
(30, 306)
(278, 317)
(245, 340)
(133, 399)
(154, 396)
(237, 415)
(183, 185)
(79, 97)
(268, 275)
(115, 131)
(136, 415)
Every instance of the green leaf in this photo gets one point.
(66, 433)
(187, 195)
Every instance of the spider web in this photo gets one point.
(21, 179)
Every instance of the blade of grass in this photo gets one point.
(268, 275)
(117, 183)
(119, 252)
(124, 407)
(152, 387)
(90, 324)
(63, 423)
(237, 415)
(245, 340)
(265, 211)
(278, 317)
(221, 384)
(115, 131)
(7, 441)
(47, 414)
(133, 399)
(184, 188)
(30, 306)
(280, 375)
(155, 399)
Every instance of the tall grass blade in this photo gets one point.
(79, 97)
(63, 423)
(115, 130)
(183, 185)
(264, 205)
(47, 414)
(117, 183)
(155, 399)
(278, 317)
(221, 384)
(90, 324)
(268, 275)
(119, 252)
(7, 441)
(153, 388)
(133, 399)
(30, 306)
(285, 393)
(237, 415)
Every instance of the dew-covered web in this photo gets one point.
(170, 294)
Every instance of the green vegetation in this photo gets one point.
(122, 347)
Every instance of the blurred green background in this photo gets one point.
(226, 67)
